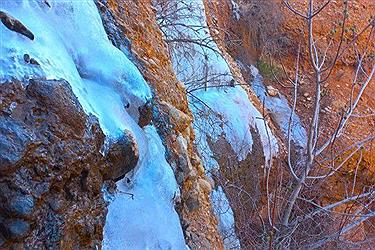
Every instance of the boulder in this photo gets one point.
(184, 164)
(122, 156)
(205, 186)
(22, 205)
(192, 201)
(145, 114)
(17, 228)
(271, 91)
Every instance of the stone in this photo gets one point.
(57, 204)
(145, 114)
(47, 3)
(182, 145)
(183, 155)
(59, 97)
(271, 91)
(14, 139)
(184, 164)
(195, 160)
(232, 83)
(177, 198)
(183, 167)
(26, 58)
(192, 203)
(180, 177)
(211, 181)
(122, 156)
(17, 228)
(200, 168)
(15, 25)
(198, 241)
(22, 205)
(34, 62)
(205, 186)
(180, 120)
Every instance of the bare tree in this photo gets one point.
(302, 218)
(286, 207)
(191, 45)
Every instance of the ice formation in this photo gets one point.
(70, 43)
(217, 111)
(279, 107)
(147, 221)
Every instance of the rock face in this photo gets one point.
(169, 113)
(50, 169)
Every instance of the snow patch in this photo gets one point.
(195, 55)
(200, 66)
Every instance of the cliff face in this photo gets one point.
(54, 155)
(172, 117)
(246, 45)
(143, 124)
(243, 39)
(61, 156)
(50, 168)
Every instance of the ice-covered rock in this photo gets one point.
(70, 43)
(50, 168)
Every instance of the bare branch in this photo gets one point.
(287, 4)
